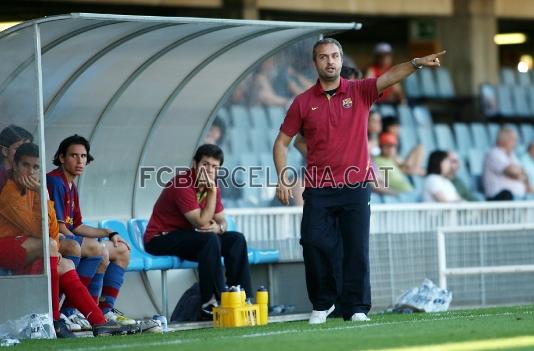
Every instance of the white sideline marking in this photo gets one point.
(483, 345)
(351, 325)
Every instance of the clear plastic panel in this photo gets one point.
(178, 130)
(22, 241)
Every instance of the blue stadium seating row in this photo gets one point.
(513, 97)
(510, 76)
(432, 84)
(141, 260)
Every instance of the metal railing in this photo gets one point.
(404, 246)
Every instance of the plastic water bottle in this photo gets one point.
(36, 327)
(262, 299)
(163, 321)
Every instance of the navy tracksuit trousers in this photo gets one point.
(335, 243)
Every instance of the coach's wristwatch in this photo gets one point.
(415, 65)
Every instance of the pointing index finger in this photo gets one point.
(441, 53)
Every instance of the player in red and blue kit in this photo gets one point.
(103, 264)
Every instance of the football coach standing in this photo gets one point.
(332, 115)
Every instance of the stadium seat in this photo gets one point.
(136, 230)
(137, 262)
(463, 174)
(261, 142)
(428, 84)
(427, 139)
(390, 199)
(411, 87)
(276, 115)
(264, 256)
(527, 133)
(418, 183)
(408, 140)
(91, 223)
(240, 117)
(475, 158)
(519, 98)
(463, 138)
(405, 116)
(444, 137)
(523, 79)
(488, 100)
(444, 83)
(225, 117)
(422, 116)
(507, 76)
(238, 140)
(504, 101)
(529, 91)
(409, 197)
(376, 198)
(386, 110)
(480, 135)
(493, 130)
(259, 117)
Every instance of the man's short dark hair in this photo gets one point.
(388, 122)
(217, 122)
(209, 150)
(348, 71)
(434, 161)
(72, 140)
(13, 134)
(27, 149)
(325, 41)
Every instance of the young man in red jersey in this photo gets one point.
(188, 221)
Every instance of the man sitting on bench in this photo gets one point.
(188, 221)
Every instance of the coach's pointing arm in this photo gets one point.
(403, 70)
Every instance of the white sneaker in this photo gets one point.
(359, 317)
(319, 317)
(78, 318)
(73, 327)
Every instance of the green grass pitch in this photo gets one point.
(510, 326)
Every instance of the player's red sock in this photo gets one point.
(78, 297)
(54, 277)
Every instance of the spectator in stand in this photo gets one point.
(374, 127)
(263, 90)
(11, 138)
(396, 180)
(382, 62)
(503, 177)
(413, 164)
(460, 186)
(296, 82)
(216, 133)
(437, 187)
(349, 72)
